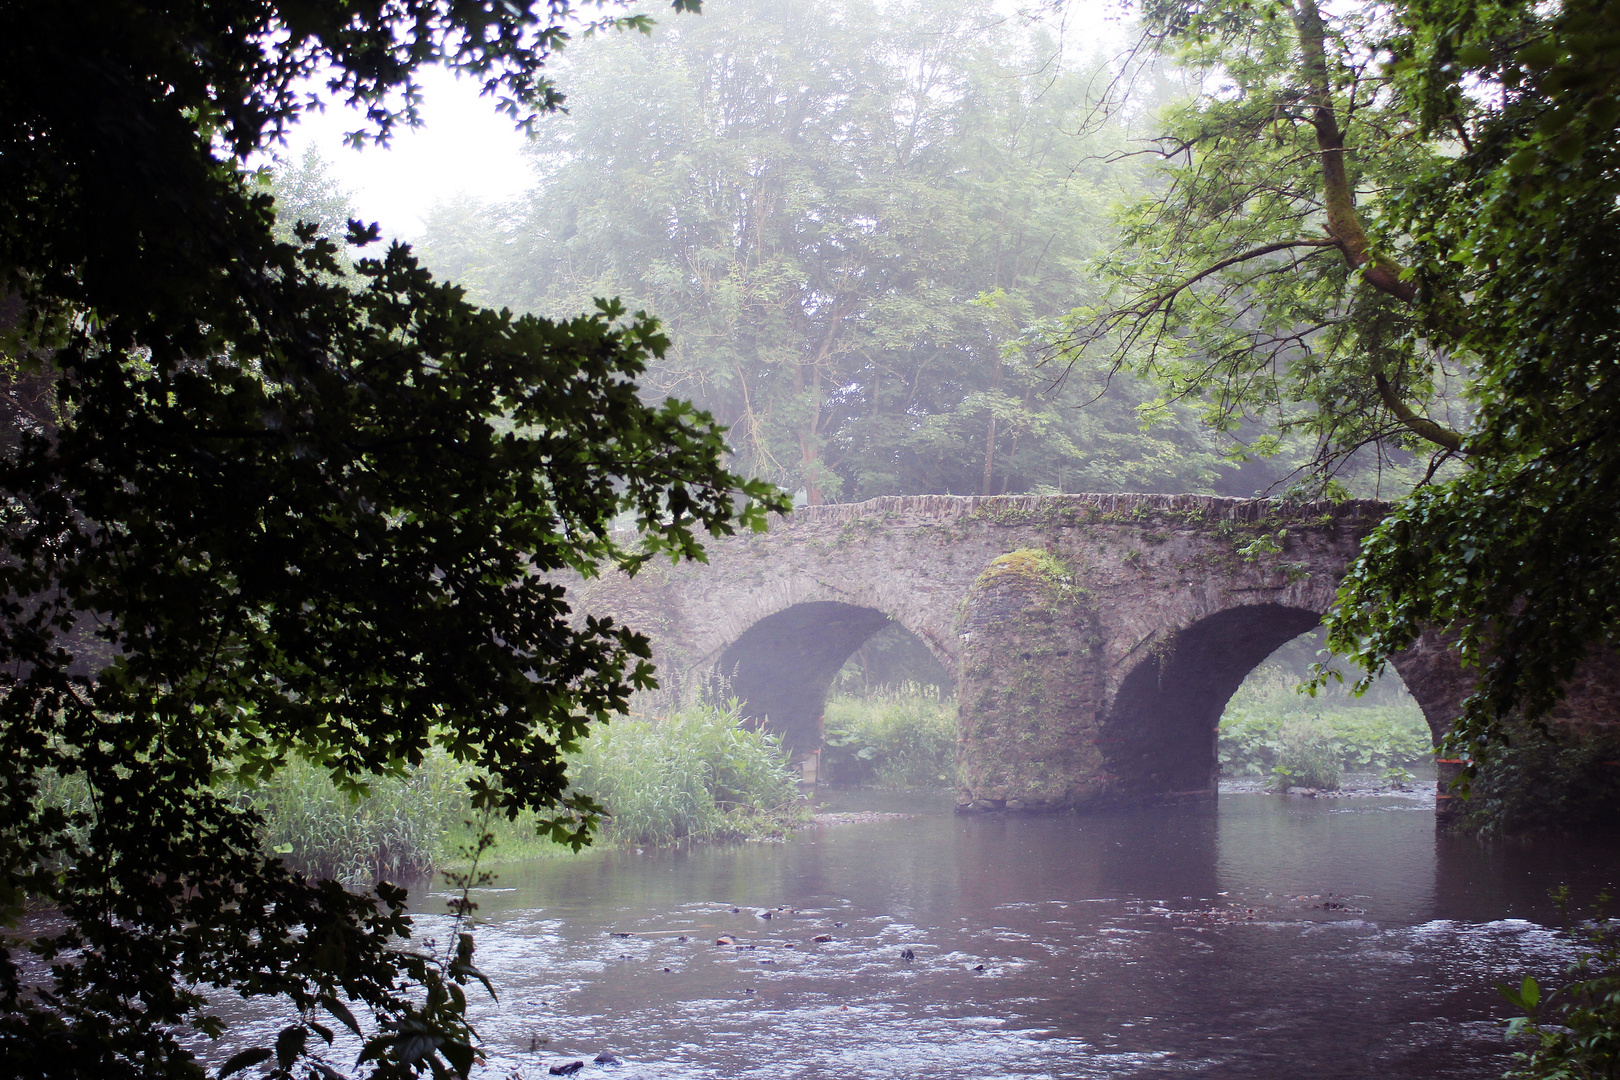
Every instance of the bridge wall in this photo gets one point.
(1095, 639)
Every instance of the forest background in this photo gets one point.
(861, 226)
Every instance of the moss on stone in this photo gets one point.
(1032, 564)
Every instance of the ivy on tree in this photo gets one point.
(262, 504)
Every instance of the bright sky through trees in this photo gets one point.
(465, 147)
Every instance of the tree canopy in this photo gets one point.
(1362, 204)
(843, 267)
(260, 503)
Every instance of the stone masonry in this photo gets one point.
(1095, 639)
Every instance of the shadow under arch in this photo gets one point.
(781, 667)
(1158, 739)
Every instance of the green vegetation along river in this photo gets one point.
(1267, 937)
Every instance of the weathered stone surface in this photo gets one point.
(1031, 687)
(1095, 638)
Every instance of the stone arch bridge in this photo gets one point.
(1095, 639)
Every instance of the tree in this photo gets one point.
(1516, 264)
(841, 265)
(1360, 206)
(273, 505)
(1255, 281)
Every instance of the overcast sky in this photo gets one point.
(465, 147)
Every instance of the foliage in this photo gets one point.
(904, 737)
(1373, 739)
(283, 507)
(1307, 757)
(1269, 724)
(842, 267)
(403, 828)
(1515, 556)
(1251, 277)
(693, 775)
(1576, 1027)
(1361, 205)
(1537, 781)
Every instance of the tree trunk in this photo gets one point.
(989, 458)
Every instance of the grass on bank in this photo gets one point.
(695, 775)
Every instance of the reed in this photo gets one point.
(697, 774)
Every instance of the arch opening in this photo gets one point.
(1159, 738)
(1272, 733)
(781, 668)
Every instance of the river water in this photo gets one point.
(1263, 937)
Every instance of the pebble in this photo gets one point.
(822, 937)
(723, 941)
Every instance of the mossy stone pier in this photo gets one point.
(1095, 639)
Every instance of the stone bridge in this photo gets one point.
(1095, 639)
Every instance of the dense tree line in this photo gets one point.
(849, 219)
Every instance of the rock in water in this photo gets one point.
(722, 941)
(606, 1058)
(822, 937)
(907, 954)
(567, 1070)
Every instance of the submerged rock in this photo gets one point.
(567, 1070)
(606, 1058)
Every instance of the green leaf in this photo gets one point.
(242, 1060)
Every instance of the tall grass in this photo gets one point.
(904, 737)
(400, 830)
(694, 775)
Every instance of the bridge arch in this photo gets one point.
(780, 667)
(1158, 738)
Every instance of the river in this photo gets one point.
(1265, 936)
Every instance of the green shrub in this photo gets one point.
(1575, 1028)
(1535, 783)
(398, 831)
(904, 738)
(1375, 738)
(1307, 756)
(1364, 737)
(695, 775)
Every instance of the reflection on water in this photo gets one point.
(1266, 938)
